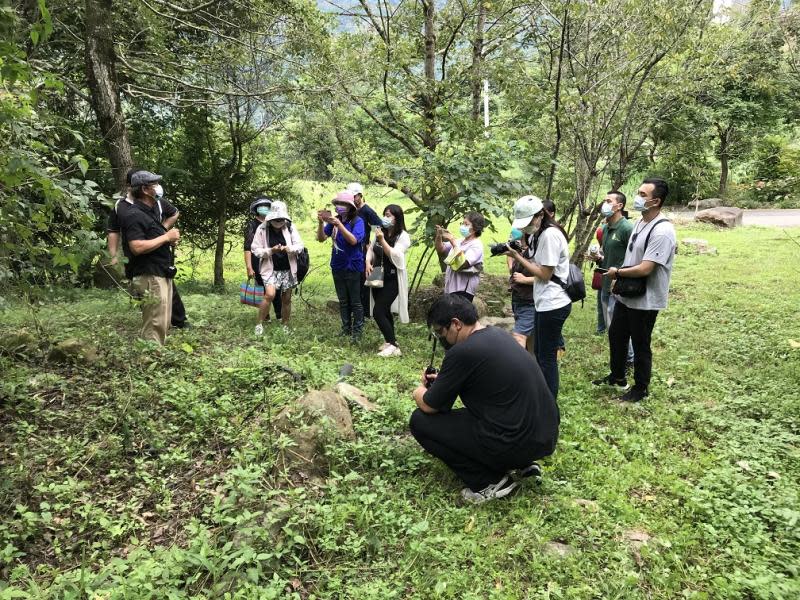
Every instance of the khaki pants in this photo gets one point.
(156, 295)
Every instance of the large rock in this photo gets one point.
(506, 323)
(73, 351)
(354, 396)
(722, 216)
(313, 421)
(480, 306)
(697, 246)
(704, 204)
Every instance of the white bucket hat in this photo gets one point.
(524, 209)
(277, 211)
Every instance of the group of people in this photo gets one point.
(272, 245)
(508, 384)
(510, 417)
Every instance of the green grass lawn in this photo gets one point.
(150, 473)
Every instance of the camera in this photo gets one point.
(503, 247)
(430, 371)
(171, 271)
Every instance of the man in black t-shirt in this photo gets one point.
(510, 418)
(168, 215)
(148, 247)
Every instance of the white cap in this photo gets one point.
(524, 209)
(277, 211)
(355, 188)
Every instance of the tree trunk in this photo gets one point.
(104, 88)
(430, 95)
(477, 61)
(219, 250)
(557, 109)
(724, 156)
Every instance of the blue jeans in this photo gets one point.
(547, 332)
(601, 313)
(348, 291)
(609, 301)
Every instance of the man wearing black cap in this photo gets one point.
(148, 247)
(168, 215)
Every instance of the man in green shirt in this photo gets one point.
(616, 233)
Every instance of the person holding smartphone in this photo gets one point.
(346, 231)
(389, 252)
(616, 233)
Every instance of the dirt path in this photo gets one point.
(789, 217)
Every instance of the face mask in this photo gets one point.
(341, 210)
(387, 222)
(606, 210)
(443, 342)
(516, 234)
(158, 191)
(277, 223)
(639, 204)
(464, 230)
(262, 210)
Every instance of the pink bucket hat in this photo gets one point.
(344, 197)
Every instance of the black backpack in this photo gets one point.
(575, 286)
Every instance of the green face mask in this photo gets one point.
(262, 211)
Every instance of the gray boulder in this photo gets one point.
(354, 396)
(312, 422)
(506, 323)
(704, 204)
(722, 216)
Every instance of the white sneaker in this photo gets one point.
(501, 489)
(383, 347)
(390, 351)
(259, 329)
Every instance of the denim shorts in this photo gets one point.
(524, 317)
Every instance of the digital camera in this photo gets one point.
(503, 247)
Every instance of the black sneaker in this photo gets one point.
(620, 384)
(532, 470)
(634, 394)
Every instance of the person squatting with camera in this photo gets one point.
(149, 249)
(509, 420)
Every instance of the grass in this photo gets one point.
(149, 474)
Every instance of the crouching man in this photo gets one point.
(509, 419)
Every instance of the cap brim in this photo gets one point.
(521, 223)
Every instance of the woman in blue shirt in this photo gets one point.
(346, 230)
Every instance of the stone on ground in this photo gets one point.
(697, 246)
(722, 216)
(72, 350)
(312, 422)
(354, 395)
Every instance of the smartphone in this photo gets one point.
(324, 214)
(600, 270)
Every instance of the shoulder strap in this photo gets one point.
(649, 233)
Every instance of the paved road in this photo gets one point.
(789, 217)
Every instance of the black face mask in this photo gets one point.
(444, 343)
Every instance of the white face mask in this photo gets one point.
(606, 209)
(158, 191)
(639, 204)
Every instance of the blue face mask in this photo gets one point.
(386, 222)
(464, 230)
(263, 211)
(639, 204)
(516, 234)
(606, 209)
